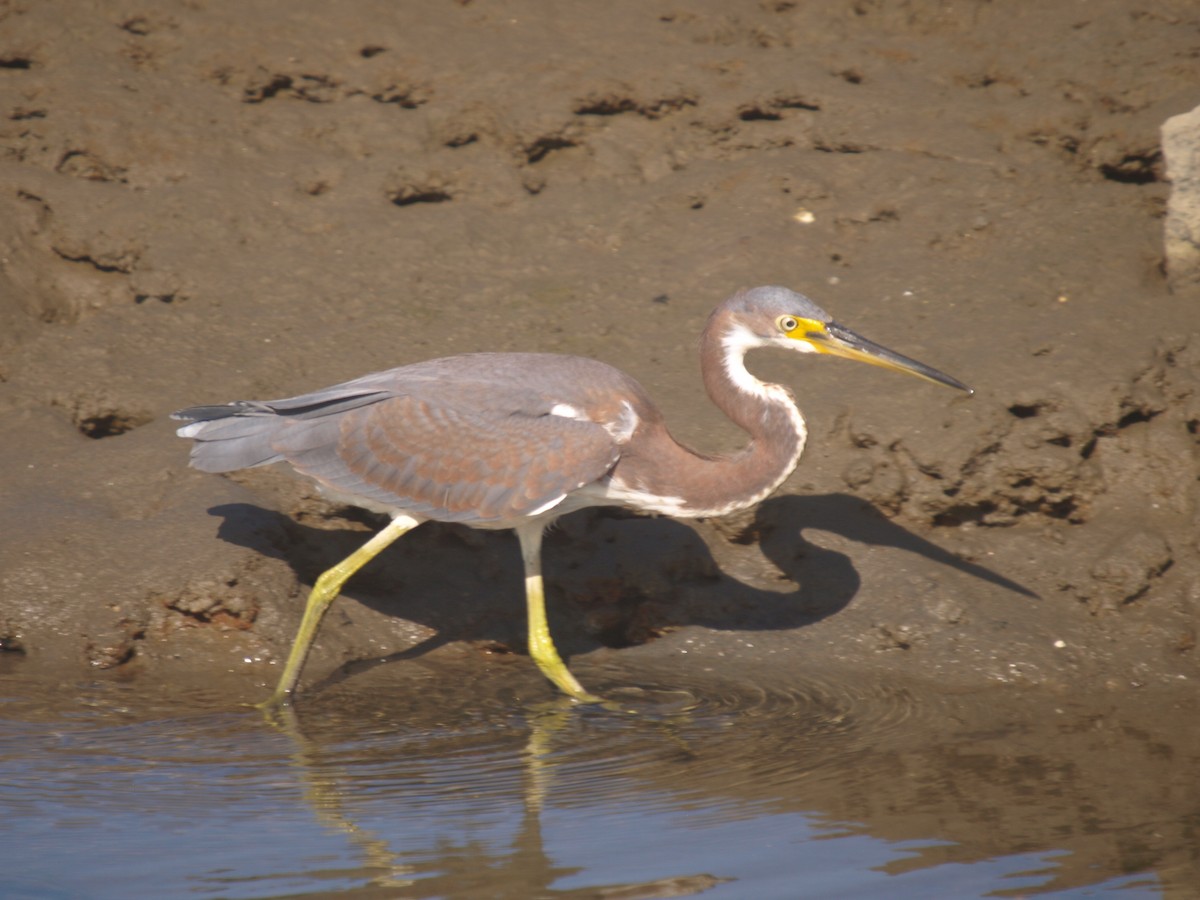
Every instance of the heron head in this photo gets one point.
(779, 317)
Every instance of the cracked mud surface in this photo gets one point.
(201, 205)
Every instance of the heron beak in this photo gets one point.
(837, 340)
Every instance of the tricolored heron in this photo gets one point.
(515, 440)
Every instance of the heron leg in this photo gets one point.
(541, 645)
(326, 588)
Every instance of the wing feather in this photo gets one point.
(456, 464)
(474, 438)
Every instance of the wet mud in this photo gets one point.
(209, 202)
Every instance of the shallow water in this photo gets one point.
(465, 790)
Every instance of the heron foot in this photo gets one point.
(276, 710)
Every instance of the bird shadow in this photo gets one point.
(628, 577)
(669, 576)
(785, 519)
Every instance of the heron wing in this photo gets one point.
(462, 461)
(478, 437)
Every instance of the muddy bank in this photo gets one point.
(214, 203)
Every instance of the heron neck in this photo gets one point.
(662, 475)
(766, 412)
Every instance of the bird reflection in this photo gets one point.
(469, 868)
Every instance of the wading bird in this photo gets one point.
(515, 440)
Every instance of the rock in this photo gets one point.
(1181, 148)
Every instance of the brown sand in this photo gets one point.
(216, 201)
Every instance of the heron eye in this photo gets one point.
(787, 324)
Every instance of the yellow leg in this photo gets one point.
(327, 587)
(541, 645)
